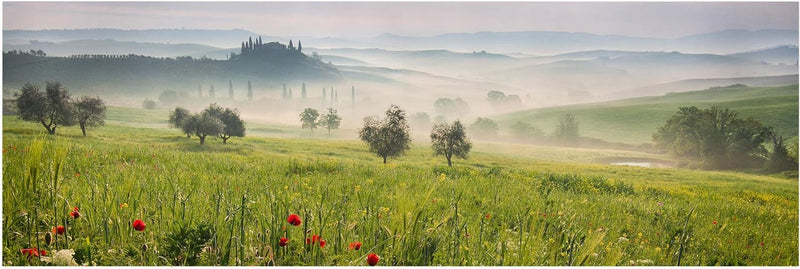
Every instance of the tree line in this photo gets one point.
(54, 107)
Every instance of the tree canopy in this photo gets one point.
(484, 127)
(90, 112)
(389, 137)
(450, 140)
(309, 118)
(715, 136)
(330, 120)
(52, 109)
(232, 124)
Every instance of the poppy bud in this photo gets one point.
(144, 247)
(48, 238)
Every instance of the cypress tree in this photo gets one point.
(250, 90)
(299, 46)
(303, 91)
(230, 88)
(285, 93)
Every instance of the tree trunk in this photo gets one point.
(202, 139)
(225, 140)
(49, 131)
(384, 159)
(448, 161)
(188, 135)
(83, 128)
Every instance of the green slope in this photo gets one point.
(635, 120)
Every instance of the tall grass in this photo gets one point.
(493, 209)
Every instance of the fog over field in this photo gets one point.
(376, 54)
(400, 133)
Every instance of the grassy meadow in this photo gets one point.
(507, 204)
(635, 120)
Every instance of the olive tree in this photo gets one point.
(388, 137)
(309, 118)
(176, 118)
(330, 120)
(52, 109)
(450, 140)
(232, 123)
(90, 111)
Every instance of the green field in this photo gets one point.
(506, 205)
(635, 120)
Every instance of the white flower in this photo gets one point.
(622, 239)
(62, 258)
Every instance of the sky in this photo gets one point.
(364, 19)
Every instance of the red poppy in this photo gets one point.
(322, 243)
(58, 229)
(714, 222)
(308, 241)
(762, 243)
(373, 259)
(75, 214)
(77, 174)
(488, 216)
(32, 252)
(138, 225)
(283, 241)
(294, 220)
(355, 245)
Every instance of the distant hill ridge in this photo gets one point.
(144, 75)
(536, 42)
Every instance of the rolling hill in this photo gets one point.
(635, 120)
(134, 75)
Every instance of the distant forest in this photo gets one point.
(267, 65)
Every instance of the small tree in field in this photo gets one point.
(330, 120)
(90, 111)
(309, 118)
(450, 140)
(232, 124)
(149, 104)
(567, 128)
(52, 108)
(176, 118)
(484, 128)
(389, 137)
(203, 125)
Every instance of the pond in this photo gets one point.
(636, 161)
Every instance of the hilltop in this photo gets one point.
(134, 75)
(635, 120)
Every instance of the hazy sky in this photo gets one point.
(359, 19)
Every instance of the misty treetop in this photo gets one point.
(719, 139)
